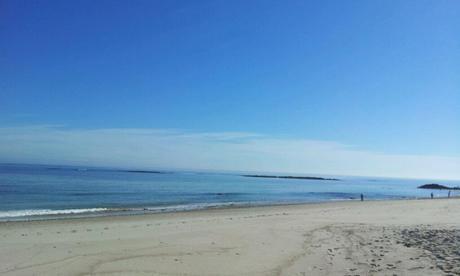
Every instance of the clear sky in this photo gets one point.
(349, 87)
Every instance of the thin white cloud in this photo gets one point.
(153, 148)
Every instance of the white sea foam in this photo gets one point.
(191, 206)
(44, 212)
(153, 209)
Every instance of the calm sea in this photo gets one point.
(39, 191)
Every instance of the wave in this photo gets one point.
(192, 206)
(45, 212)
(86, 212)
(33, 214)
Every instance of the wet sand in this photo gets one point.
(406, 237)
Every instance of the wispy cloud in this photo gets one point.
(236, 151)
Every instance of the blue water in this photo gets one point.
(32, 190)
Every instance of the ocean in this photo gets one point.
(50, 192)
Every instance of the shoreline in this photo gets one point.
(128, 212)
(196, 212)
(155, 210)
(141, 213)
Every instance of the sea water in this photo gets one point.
(41, 191)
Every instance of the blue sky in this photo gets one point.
(379, 77)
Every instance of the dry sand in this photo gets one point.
(410, 237)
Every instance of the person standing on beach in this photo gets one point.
(431, 195)
(362, 197)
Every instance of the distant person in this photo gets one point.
(431, 195)
(362, 197)
(448, 194)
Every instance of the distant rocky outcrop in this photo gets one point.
(140, 171)
(434, 186)
(290, 177)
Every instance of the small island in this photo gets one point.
(140, 171)
(291, 177)
(434, 186)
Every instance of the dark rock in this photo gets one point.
(434, 186)
(290, 177)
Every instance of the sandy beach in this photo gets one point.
(405, 237)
